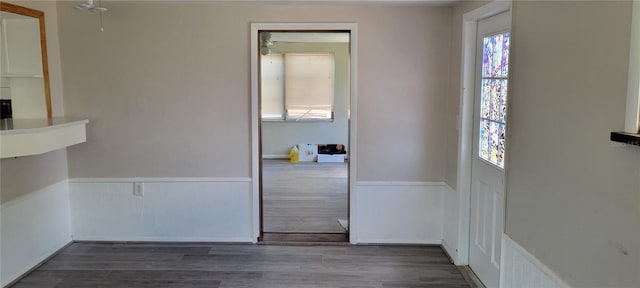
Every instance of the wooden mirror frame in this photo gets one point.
(7, 7)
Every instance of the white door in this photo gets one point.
(490, 122)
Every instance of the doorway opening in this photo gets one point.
(303, 93)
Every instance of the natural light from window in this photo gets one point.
(298, 86)
(493, 99)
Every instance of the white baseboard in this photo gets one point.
(35, 264)
(451, 223)
(33, 227)
(451, 252)
(286, 156)
(275, 156)
(159, 179)
(400, 184)
(211, 210)
(129, 238)
(220, 210)
(395, 212)
(521, 269)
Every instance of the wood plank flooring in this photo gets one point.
(244, 265)
(306, 238)
(306, 197)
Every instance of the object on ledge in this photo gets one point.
(5, 109)
(627, 138)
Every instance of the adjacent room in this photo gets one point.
(391, 143)
(304, 97)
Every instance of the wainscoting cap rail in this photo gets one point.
(399, 183)
(159, 179)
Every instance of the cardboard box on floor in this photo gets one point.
(308, 152)
(328, 158)
(331, 153)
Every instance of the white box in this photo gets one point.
(307, 152)
(327, 158)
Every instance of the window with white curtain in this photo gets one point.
(298, 86)
(272, 87)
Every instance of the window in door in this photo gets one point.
(493, 101)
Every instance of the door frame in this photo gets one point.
(465, 132)
(256, 177)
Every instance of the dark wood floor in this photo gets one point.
(214, 265)
(304, 197)
(305, 238)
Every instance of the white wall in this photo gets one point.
(5, 90)
(573, 197)
(28, 100)
(33, 226)
(176, 110)
(33, 190)
(183, 110)
(279, 137)
(23, 57)
(212, 210)
(455, 87)
(398, 212)
(521, 269)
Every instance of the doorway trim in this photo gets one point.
(255, 112)
(465, 136)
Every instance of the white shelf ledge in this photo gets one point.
(22, 75)
(24, 137)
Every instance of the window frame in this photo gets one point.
(285, 113)
(282, 103)
(489, 119)
(631, 133)
(632, 119)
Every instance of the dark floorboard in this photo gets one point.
(244, 265)
(305, 238)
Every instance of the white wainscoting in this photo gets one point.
(33, 227)
(170, 209)
(451, 224)
(275, 156)
(521, 269)
(398, 212)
